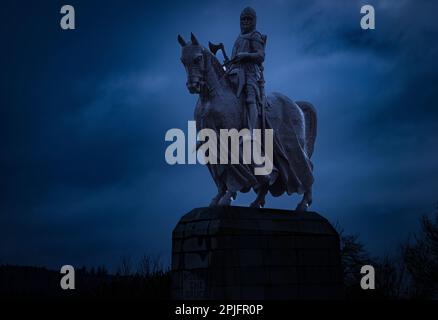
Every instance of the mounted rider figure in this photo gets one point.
(246, 66)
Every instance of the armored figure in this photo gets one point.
(247, 66)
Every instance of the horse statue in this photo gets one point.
(218, 107)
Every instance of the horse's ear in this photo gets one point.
(193, 39)
(181, 41)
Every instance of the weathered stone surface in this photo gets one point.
(247, 253)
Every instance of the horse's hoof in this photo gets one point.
(226, 199)
(224, 202)
(302, 207)
(214, 202)
(257, 204)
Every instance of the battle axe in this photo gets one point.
(214, 48)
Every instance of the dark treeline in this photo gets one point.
(411, 273)
(147, 280)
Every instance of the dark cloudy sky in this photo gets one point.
(84, 113)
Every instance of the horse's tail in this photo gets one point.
(311, 124)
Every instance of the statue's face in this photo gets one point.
(193, 60)
(247, 23)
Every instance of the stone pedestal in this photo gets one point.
(246, 253)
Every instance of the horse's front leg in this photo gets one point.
(227, 198)
(220, 194)
(260, 199)
(305, 202)
(262, 190)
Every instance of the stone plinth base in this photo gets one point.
(246, 253)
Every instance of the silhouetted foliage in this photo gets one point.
(152, 282)
(421, 259)
(390, 282)
(125, 268)
(353, 257)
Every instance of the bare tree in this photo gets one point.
(145, 266)
(125, 268)
(421, 258)
(390, 272)
(392, 278)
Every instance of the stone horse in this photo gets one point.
(218, 107)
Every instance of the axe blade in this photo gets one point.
(214, 48)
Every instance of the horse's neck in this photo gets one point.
(216, 82)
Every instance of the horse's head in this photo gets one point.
(193, 58)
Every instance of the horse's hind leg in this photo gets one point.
(305, 202)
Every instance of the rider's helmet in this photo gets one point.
(248, 20)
